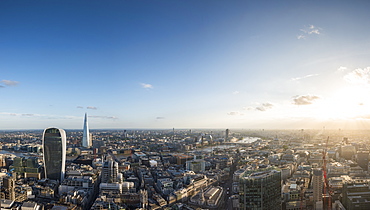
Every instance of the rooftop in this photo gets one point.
(259, 174)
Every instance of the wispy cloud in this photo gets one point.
(304, 100)
(264, 107)
(104, 117)
(146, 86)
(304, 77)
(8, 83)
(248, 108)
(9, 114)
(362, 117)
(236, 92)
(88, 107)
(34, 115)
(308, 31)
(301, 36)
(28, 115)
(260, 107)
(235, 113)
(342, 68)
(311, 29)
(358, 76)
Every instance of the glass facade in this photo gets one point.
(54, 147)
(260, 190)
(86, 141)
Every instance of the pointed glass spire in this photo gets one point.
(86, 141)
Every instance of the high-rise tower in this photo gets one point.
(54, 147)
(260, 189)
(317, 184)
(86, 141)
(227, 135)
(110, 172)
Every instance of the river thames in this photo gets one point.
(245, 140)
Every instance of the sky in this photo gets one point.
(166, 64)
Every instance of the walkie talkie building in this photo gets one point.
(54, 148)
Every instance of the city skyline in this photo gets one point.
(193, 64)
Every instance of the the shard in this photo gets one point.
(86, 141)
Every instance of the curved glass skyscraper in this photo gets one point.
(54, 147)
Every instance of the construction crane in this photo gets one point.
(326, 190)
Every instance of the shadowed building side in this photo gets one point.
(54, 146)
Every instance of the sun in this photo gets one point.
(347, 103)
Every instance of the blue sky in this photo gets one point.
(184, 64)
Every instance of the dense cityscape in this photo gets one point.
(184, 169)
(184, 105)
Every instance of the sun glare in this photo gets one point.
(348, 103)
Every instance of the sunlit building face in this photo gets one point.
(54, 147)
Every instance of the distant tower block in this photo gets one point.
(86, 140)
(317, 184)
(173, 133)
(125, 133)
(227, 135)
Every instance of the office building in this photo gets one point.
(26, 167)
(8, 188)
(317, 184)
(260, 189)
(54, 147)
(356, 195)
(227, 135)
(110, 172)
(362, 158)
(347, 151)
(197, 165)
(86, 140)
